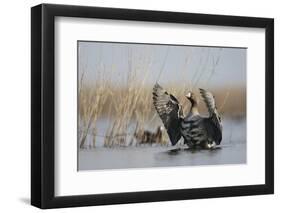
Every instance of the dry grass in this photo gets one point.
(120, 106)
(230, 102)
(134, 104)
(91, 102)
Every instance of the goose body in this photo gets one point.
(197, 131)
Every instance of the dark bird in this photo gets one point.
(197, 131)
(148, 137)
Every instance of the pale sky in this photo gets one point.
(167, 64)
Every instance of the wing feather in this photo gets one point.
(209, 100)
(213, 123)
(168, 108)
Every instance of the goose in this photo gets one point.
(148, 137)
(196, 130)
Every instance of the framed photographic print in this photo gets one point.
(139, 106)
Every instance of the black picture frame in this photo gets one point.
(43, 105)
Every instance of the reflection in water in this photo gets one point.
(181, 150)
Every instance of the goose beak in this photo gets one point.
(188, 95)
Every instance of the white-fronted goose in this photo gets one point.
(196, 130)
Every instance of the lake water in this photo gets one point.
(231, 151)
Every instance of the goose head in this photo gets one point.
(192, 98)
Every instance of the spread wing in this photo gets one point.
(169, 110)
(213, 123)
(209, 101)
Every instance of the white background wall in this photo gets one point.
(15, 105)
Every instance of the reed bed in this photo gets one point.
(124, 106)
(121, 106)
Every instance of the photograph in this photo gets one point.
(160, 105)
